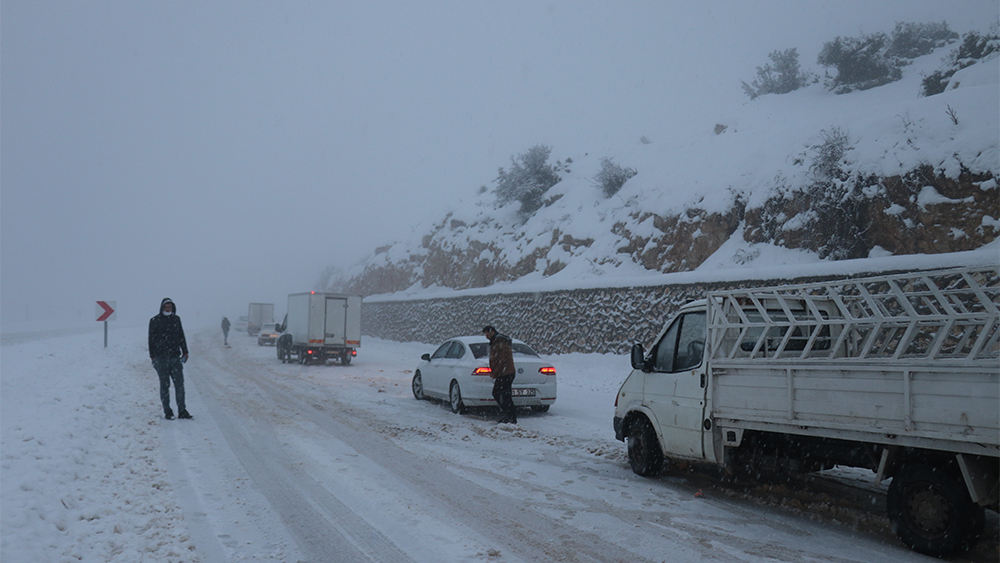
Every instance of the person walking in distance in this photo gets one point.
(225, 331)
(502, 372)
(168, 352)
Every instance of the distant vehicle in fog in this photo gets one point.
(259, 314)
(268, 334)
(321, 326)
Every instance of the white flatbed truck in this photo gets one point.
(321, 326)
(899, 374)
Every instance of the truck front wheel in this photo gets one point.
(931, 511)
(644, 453)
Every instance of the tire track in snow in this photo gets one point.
(324, 528)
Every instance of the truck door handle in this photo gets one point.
(703, 380)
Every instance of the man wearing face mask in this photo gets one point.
(168, 351)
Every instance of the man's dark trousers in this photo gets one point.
(501, 393)
(170, 369)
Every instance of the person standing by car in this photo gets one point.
(502, 372)
(168, 351)
(225, 331)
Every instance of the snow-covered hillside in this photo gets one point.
(915, 174)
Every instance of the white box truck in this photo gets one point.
(321, 326)
(259, 314)
(899, 374)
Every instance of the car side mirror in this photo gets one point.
(638, 357)
(426, 357)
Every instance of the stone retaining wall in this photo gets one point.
(605, 320)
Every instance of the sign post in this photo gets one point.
(106, 312)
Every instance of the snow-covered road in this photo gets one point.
(288, 463)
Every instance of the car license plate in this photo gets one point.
(522, 392)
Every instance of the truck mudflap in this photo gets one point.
(619, 429)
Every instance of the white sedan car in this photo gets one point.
(459, 372)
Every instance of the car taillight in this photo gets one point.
(481, 371)
(547, 370)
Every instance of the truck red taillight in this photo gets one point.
(481, 371)
(547, 370)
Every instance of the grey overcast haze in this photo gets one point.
(226, 152)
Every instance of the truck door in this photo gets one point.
(675, 389)
(336, 320)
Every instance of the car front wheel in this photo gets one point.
(418, 386)
(455, 398)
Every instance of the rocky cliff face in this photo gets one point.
(841, 218)
(919, 213)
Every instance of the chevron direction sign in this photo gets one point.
(106, 310)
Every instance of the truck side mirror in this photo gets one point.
(426, 357)
(638, 357)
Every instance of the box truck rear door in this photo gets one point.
(336, 320)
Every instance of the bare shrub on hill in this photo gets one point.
(871, 60)
(974, 48)
(612, 176)
(782, 78)
(529, 177)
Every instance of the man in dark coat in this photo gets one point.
(168, 351)
(225, 331)
(502, 372)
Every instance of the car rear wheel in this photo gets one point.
(541, 408)
(455, 398)
(418, 386)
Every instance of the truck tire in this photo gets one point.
(931, 511)
(345, 358)
(644, 453)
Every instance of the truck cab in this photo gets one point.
(897, 374)
(664, 398)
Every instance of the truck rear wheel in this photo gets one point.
(644, 453)
(931, 511)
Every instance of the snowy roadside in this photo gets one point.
(92, 472)
(83, 474)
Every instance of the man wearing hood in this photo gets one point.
(168, 351)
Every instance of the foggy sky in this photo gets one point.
(227, 152)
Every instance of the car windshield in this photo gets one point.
(482, 349)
